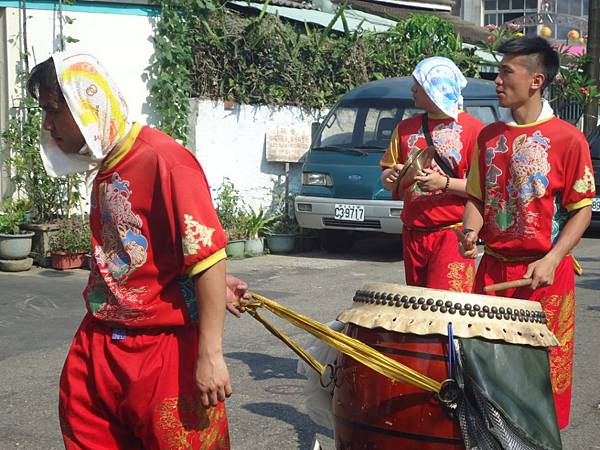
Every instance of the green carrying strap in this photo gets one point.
(516, 380)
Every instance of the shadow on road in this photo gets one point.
(376, 248)
(51, 273)
(265, 367)
(305, 428)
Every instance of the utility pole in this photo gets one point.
(593, 49)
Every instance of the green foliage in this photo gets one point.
(254, 223)
(170, 72)
(283, 224)
(205, 50)
(572, 86)
(282, 220)
(230, 209)
(574, 81)
(13, 214)
(73, 236)
(50, 198)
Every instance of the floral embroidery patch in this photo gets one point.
(586, 183)
(196, 234)
(182, 423)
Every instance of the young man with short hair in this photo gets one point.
(530, 189)
(434, 202)
(146, 367)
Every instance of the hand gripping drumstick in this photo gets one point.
(508, 285)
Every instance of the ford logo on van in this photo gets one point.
(355, 178)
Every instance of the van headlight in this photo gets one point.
(316, 179)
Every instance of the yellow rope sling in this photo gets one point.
(356, 349)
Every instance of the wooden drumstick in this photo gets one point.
(508, 285)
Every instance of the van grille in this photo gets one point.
(373, 224)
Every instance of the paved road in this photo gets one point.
(40, 310)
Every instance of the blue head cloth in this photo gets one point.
(443, 82)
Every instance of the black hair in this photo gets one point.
(42, 78)
(546, 57)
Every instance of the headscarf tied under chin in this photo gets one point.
(98, 109)
(442, 81)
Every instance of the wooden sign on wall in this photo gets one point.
(287, 143)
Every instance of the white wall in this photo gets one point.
(121, 42)
(227, 143)
(231, 143)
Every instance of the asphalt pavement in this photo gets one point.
(41, 309)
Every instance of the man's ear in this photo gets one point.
(538, 80)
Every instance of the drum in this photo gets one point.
(409, 324)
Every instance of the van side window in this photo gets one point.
(379, 125)
(484, 113)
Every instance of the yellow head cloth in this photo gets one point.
(98, 108)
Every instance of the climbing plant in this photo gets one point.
(204, 49)
(48, 199)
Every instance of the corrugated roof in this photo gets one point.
(355, 19)
(469, 32)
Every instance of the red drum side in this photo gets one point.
(374, 412)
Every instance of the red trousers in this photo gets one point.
(135, 390)
(431, 259)
(558, 303)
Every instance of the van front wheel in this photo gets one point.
(336, 241)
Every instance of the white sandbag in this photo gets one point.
(317, 397)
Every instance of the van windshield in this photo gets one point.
(362, 125)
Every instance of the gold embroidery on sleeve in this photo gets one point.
(586, 183)
(196, 234)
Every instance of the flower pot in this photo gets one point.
(254, 247)
(40, 249)
(235, 249)
(281, 243)
(15, 265)
(15, 246)
(65, 261)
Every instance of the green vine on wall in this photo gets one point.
(43, 198)
(207, 50)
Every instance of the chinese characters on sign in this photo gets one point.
(287, 143)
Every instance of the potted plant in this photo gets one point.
(230, 209)
(253, 225)
(50, 198)
(236, 243)
(70, 243)
(283, 229)
(15, 245)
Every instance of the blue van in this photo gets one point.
(341, 194)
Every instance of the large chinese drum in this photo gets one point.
(506, 338)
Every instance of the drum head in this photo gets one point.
(418, 310)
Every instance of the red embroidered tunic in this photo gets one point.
(529, 178)
(153, 227)
(455, 142)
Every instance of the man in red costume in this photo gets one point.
(146, 367)
(434, 203)
(530, 189)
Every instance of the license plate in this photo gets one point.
(596, 204)
(350, 212)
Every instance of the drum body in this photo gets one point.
(372, 411)
(410, 324)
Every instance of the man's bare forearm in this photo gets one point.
(473, 216)
(211, 298)
(458, 186)
(571, 233)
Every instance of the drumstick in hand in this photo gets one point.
(508, 285)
